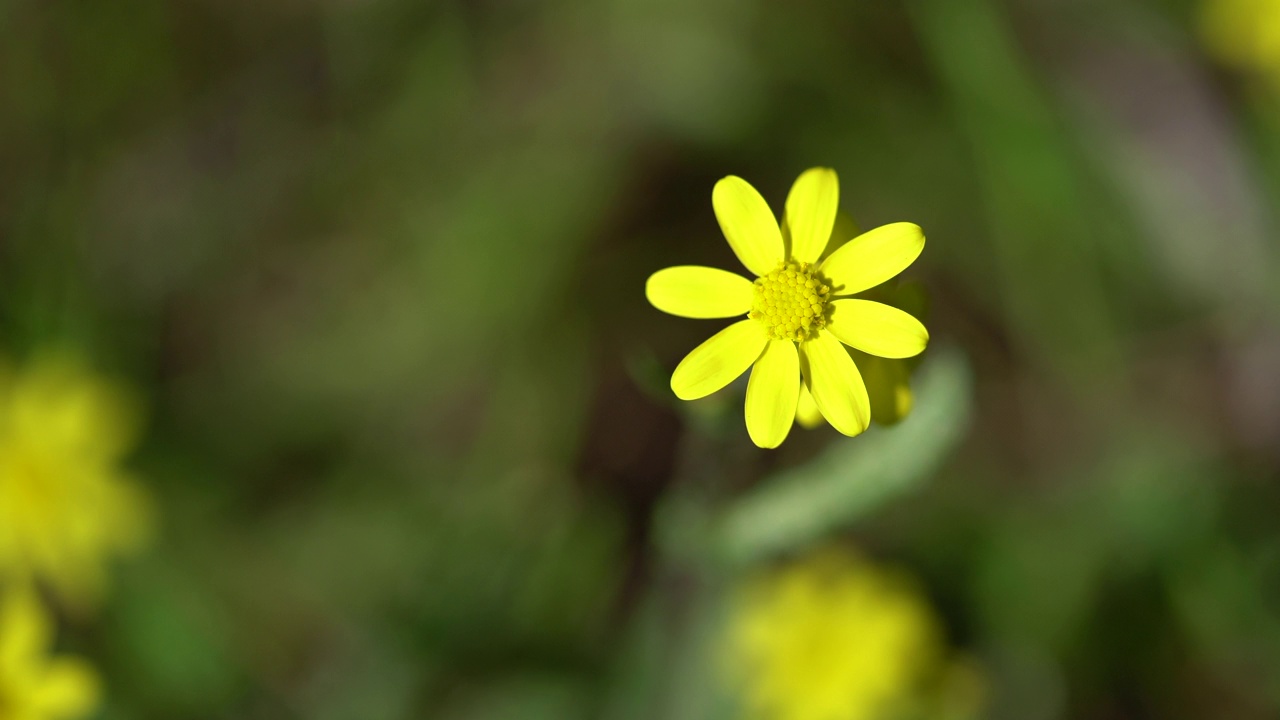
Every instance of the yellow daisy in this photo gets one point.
(798, 310)
(66, 504)
(34, 686)
(832, 636)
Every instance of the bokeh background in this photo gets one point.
(374, 271)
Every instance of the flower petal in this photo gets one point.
(718, 361)
(70, 688)
(748, 224)
(873, 257)
(811, 213)
(877, 329)
(835, 383)
(26, 631)
(807, 412)
(772, 393)
(699, 292)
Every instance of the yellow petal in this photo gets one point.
(835, 383)
(63, 406)
(1235, 31)
(772, 393)
(70, 688)
(877, 329)
(811, 212)
(748, 224)
(873, 257)
(699, 292)
(25, 629)
(807, 412)
(718, 361)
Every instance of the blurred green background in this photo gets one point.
(376, 267)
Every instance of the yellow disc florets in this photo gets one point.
(791, 301)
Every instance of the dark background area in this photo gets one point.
(376, 267)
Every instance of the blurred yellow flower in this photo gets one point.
(798, 312)
(66, 506)
(34, 686)
(1244, 33)
(832, 637)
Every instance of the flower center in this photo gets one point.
(791, 301)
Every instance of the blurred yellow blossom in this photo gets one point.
(66, 504)
(833, 637)
(1244, 34)
(34, 686)
(799, 313)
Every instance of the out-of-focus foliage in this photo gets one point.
(374, 271)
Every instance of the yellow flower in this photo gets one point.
(832, 637)
(798, 312)
(66, 506)
(1244, 33)
(34, 686)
